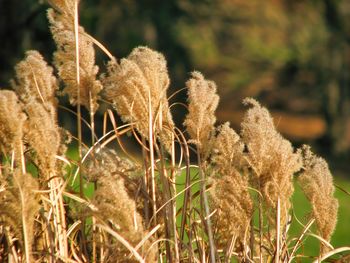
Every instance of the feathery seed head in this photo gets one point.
(317, 184)
(103, 163)
(137, 87)
(271, 157)
(18, 206)
(36, 87)
(43, 134)
(35, 79)
(203, 102)
(229, 194)
(12, 121)
(65, 7)
(227, 149)
(62, 29)
(114, 201)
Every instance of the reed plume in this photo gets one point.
(10, 209)
(317, 183)
(65, 7)
(227, 152)
(62, 29)
(133, 211)
(271, 157)
(199, 122)
(229, 193)
(203, 102)
(137, 88)
(12, 121)
(19, 205)
(45, 139)
(36, 87)
(115, 203)
(35, 79)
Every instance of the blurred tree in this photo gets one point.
(293, 55)
(336, 75)
(23, 26)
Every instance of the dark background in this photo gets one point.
(291, 55)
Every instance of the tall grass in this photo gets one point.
(233, 203)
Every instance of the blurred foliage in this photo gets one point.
(294, 55)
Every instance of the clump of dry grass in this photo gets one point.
(273, 163)
(114, 204)
(230, 194)
(19, 205)
(271, 157)
(36, 86)
(18, 202)
(241, 211)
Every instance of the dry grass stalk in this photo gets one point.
(18, 203)
(35, 79)
(272, 159)
(36, 86)
(317, 184)
(124, 207)
(200, 119)
(199, 122)
(230, 195)
(62, 28)
(19, 206)
(11, 132)
(137, 88)
(114, 202)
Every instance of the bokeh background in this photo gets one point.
(291, 55)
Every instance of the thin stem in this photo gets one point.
(187, 195)
(123, 241)
(300, 238)
(23, 205)
(206, 209)
(166, 196)
(278, 220)
(92, 125)
(173, 178)
(79, 130)
(92, 121)
(145, 184)
(252, 237)
(260, 229)
(77, 66)
(152, 162)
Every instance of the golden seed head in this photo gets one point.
(35, 79)
(137, 87)
(317, 183)
(203, 102)
(62, 29)
(12, 121)
(229, 194)
(271, 157)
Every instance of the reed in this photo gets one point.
(236, 200)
